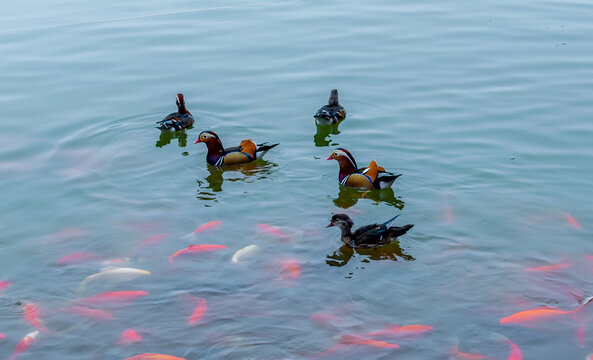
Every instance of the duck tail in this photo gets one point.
(262, 149)
(388, 222)
(385, 181)
(396, 231)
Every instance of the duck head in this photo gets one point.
(208, 137)
(333, 98)
(342, 221)
(180, 101)
(346, 161)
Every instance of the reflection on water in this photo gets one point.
(321, 138)
(390, 251)
(348, 197)
(166, 137)
(253, 171)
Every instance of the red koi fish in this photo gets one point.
(290, 269)
(2, 336)
(197, 249)
(537, 314)
(210, 225)
(269, 229)
(148, 356)
(396, 330)
(550, 268)
(515, 351)
(458, 354)
(31, 314)
(4, 285)
(77, 258)
(352, 339)
(129, 336)
(199, 312)
(24, 344)
(153, 240)
(572, 221)
(114, 297)
(90, 313)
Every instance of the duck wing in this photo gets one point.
(175, 121)
(369, 235)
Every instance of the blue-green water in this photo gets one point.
(485, 107)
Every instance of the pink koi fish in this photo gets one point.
(129, 336)
(197, 249)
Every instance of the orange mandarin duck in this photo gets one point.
(247, 151)
(182, 119)
(370, 177)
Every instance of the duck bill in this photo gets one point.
(329, 158)
(197, 141)
(330, 224)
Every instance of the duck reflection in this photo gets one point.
(348, 197)
(249, 172)
(166, 137)
(391, 251)
(321, 138)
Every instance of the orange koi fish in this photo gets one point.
(77, 258)
(197, 249)
(290, 269)
(396, 330)
(540, 313)
(199, 312)
(210, 225)
(24, 344)
(153, 240)
(572, 221)
(114, 297)
(31, 314)
(352, 339)
(90, 313)
(129, 336)
(272, 230)
(4, 285)
(515, 351)
(456, 353)
(148, 356)
(550, 268)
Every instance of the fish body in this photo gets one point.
(197, 249)
(119, 273)
(515, 351)
(396, 330)
(114, 297)
(272, 230)
(537, 314)
(150, 356)
(572, 221)
(210, 225)
(129, 336)
(4, 285)
(77, 258)
(153, 240)
(243, 252)
(25, 343)
(550, 268)
(290, 269)
(199, 312)
(90, 313)
(353, 339)
(31, 314)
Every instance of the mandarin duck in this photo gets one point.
(332, 113)
(371, 177)
(182, 119)
(368, 236)
(246, 152)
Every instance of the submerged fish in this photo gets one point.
(458, 354)
(572, 221)
(77, 258)
(4, 285)
(31, 314)
(197, 249)
(290, 269)
(208, 226)
(199, 312)
(537, 314)
(243, 252)
(129, 336)
(2, 336)
(150, 356)
(89, 313)
(24, 344)
(120, 274)
(154, 240)
(353, 339)
(550, 268)
(269, 229)
(113, 297)
(515, 351)
(396, 330)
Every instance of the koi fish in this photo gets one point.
(114, 297)
(77, 258)
(455, 352)
(90, 313)
(25, 343)
(352, 339)
(197, 249)
(269, 229)
(210, 225)
(153, 240)
(515, 351)
(4, 285)
(111, 262)
(550, 268)
(324, 319)
(290, 269)
(120, 273)
(31, 314)
(149, 356)
(243, 252)
(540, 313)
(129, 336)
(199, 312)
(396, 330)
(572, 221)
(2, 336)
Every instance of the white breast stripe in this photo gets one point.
(343, 182)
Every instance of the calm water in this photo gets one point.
(485, 107)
